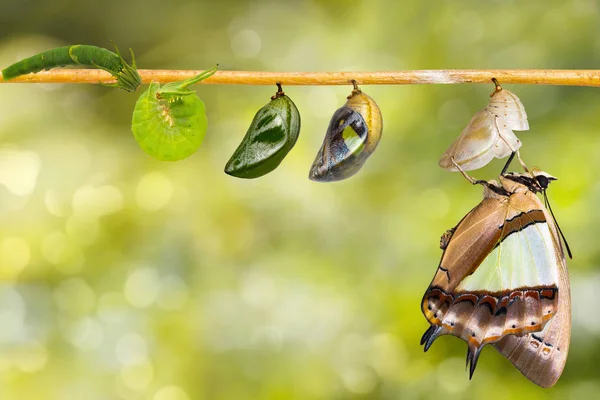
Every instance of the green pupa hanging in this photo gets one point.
(272, 134)
(169, 122)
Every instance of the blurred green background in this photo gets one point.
(128, 278)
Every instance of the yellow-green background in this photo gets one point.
(128, 278)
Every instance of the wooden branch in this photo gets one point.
(505, 76)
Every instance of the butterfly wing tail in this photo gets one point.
(541, 356)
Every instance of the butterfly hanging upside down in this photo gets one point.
(502, 280)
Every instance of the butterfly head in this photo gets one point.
(542, 178)
(536, 180)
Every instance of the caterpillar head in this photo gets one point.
(127, 77)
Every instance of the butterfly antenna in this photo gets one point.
(547, 203)
(512, 156)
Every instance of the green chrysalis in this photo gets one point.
(126, 75)
(169, 123)
(272, 134)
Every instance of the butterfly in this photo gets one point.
(489, 134)
(503, 280)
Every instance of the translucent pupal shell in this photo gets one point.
(353, 135)
(170, 128)
(505, 105)
(489, 134)
(272, 134)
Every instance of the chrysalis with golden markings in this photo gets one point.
(353, 135)
(272, 134)
(489, 134)
(169, 122)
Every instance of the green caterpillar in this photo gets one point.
(126, 75)
(169, 123)
(272, 134)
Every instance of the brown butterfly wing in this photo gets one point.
(481, 317)
(541, 356)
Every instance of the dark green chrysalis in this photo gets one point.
(126, 75)
(272, 134)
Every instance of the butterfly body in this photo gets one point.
(502, 280)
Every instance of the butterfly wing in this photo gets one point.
(541, 356)
(498, 275)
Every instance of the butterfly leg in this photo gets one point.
(472, 180)
(521, 162)
(462, 171)
(512, 156)
(445, 239)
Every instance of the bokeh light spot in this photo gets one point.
(86, 334)
(171, 392)
(387, 355)
(12, 316)
(57, 203)
(246, 43)
(131, 349)
(97, 201)
(433, 203)
(137, 377)
(113, 307)
(322, 100)
(451, 375)
(359, 380)
(14, 256)
(154, 191)
(31, 357)
(173, 293)
(58, 250)
(82, 230)
(19, 170)
(141, 287)
(75, 297)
